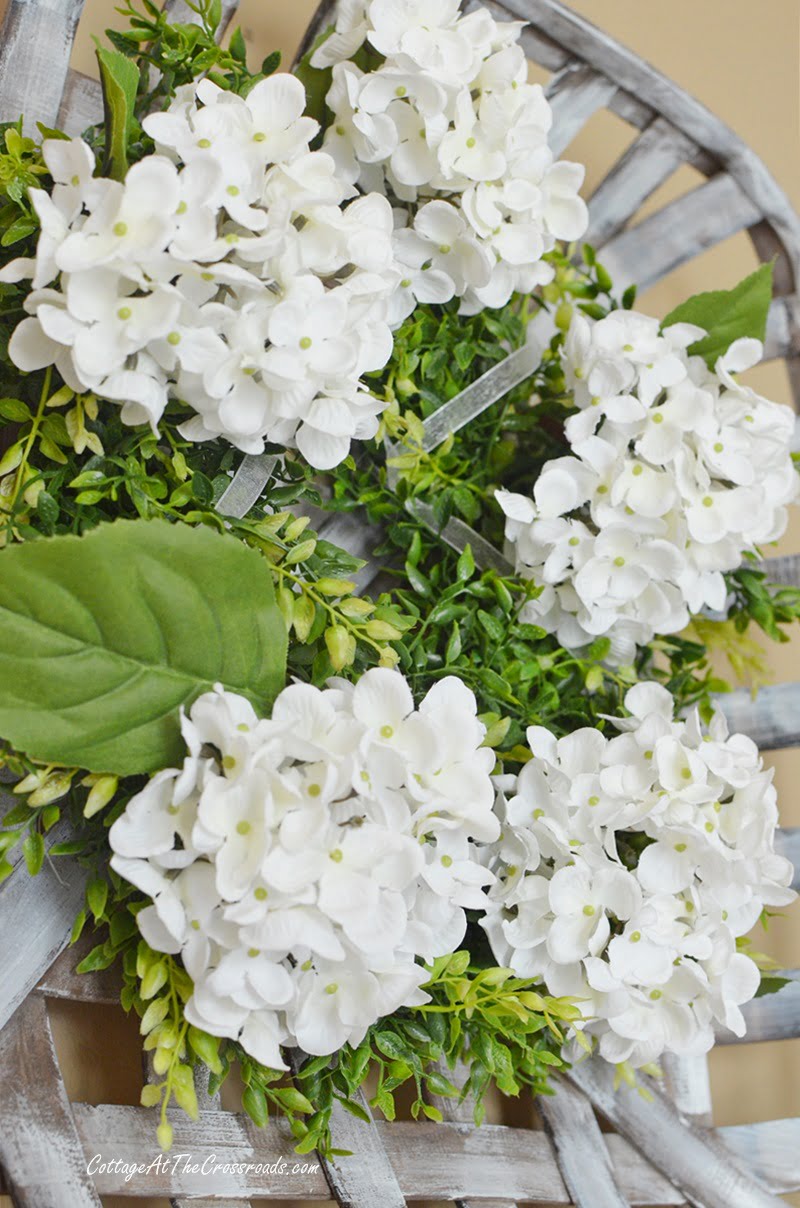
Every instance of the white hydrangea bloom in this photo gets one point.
(448, 120)
(227, 271)
(301, 865)
(676, 472)
(628, 868)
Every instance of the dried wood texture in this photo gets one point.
(772, 719)
(35, 44)
(580, 1148)
(40, 1150)
(694, 1159)
(41, 909)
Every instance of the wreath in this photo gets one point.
(469, 798)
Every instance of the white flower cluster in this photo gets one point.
(300, 865)
(226, 271)
(652, 951)
(676, 472)
(450, 128)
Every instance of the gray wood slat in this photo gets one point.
(787, 842)
(783, 328)
(580, 1149)
(368, 1178)
(680, 231)
(639, 82)
(62, 981)
(692, 1158)
(180, 13)
(658, 151)
(81, 104)
(784, 571)
(575, 94)
(433, 1161)
(460, 1111)
(324, 16)
(773, 1017)
(40, 1150)
(35, 44)
(771, 719)
(688, 1084)
(42, 909)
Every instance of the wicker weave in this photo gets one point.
(664, 1150)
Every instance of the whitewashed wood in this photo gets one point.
(40, 1150)
(460, 1111)
(35, 44)
(688, 1084)
(773, 1017)
(694, 1159)
(62, 981)
(783, 328)
(433, 1161)
(787, 842)
(679, 232)
(771, 719)
(658, 151)
(580, 1148)
(576, 93)
(784, 571)
(81, 104)
(324, 16)
(42, 909)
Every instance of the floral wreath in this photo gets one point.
(471, 801)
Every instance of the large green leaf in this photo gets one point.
(103, 637)
(119, 77)
(727, 314)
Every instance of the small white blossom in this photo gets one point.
(677, 472)
(629, 867)
(303, 865)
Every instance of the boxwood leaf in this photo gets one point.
(103, 637)
(727, 314)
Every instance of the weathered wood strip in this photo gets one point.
(784, 571)
(62, 981)
(658, 151)
(460, 1111)
(368, 1178)
(324, 16)
(575, 94)
(81, 104)
(787, 842)
(679, 232)
(771, 719)
(693, 1158)
(40, 1150)
(42, 909)
(580, 1148)
(638, 82)
(180, 12)
(773, 1017)
(783, 328)
(432, 1161)
(35, 45)
(689, 1086)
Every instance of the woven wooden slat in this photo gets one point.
(773, 1017)
(576, 93)
(581, 1152)
(40, 1150)
(771, 719)
(693, 1158)
(35, 44)
(688, 1084)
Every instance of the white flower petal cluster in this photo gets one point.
(226, 271)
(301, 865)
(627, 869)
(675, 473)
(449, 127)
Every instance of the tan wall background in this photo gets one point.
(742, 59)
